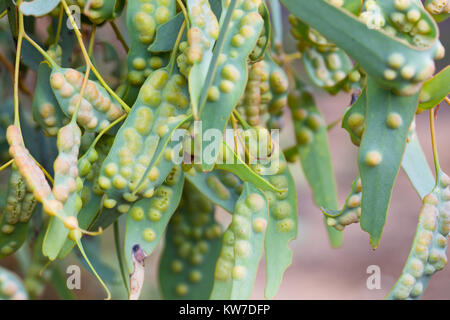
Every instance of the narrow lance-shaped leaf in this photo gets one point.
(388, 119)
(91, 195)
(202, 36)
(266, 158)
(97, 108)
(416, 167)
(282, 227)
(315, 157)
(428, 252)
(144, 137)
(414, 162)
(277, 21)
(234, 278)
(65, 189)
(186, 269)
(227, 73)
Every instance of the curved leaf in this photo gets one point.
(435, 90)
(314, 151)
(244, 242)
(388, 120)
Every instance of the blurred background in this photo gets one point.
(317, 271)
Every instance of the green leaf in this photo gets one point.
(416, 167)
(282, 228)
(314, 151)
(225, 81)
(98, 116)
(283, 218)
(162, 106)
(373, 49)
(388, 119)
(435, 90)
(216, 7)
(244, 240)
(353, 6)
(147, 219)
(414, 162)
(192, 246)
(166, 34)
(91, 194)
(38, 8)
(57, 232)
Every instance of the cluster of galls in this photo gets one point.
(158, 205)
(19, 207)
(428, 253)
(408, 22)
(280, 205)
(237, 240)
(265, 95)
(143, 22)
(193, 229)
(96, 111)
(351, 213)
(327, 65)
(201, 36)
(160, 101)
(308, 123)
